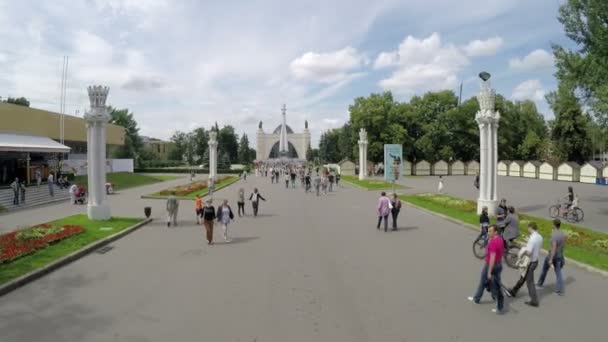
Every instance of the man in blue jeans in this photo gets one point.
(555, 259)
(490, 274)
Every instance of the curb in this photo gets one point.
(39, 273)
(188, 198)
(17, 209)
(472, 227)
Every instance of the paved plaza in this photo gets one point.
(307, 269)
(532, 196)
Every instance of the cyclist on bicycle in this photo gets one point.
(484, 222)
(501, 215)
(511, 231)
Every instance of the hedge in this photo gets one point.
(172, 170)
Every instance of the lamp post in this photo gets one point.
(487, 118)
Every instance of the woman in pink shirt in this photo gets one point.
(384, 209)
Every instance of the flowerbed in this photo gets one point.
(19, 243)
(584, 245)
(184, 190)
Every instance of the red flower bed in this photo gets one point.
(184, 190)
(16, 244)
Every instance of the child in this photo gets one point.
(440, 187)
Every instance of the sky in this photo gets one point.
(182, 64)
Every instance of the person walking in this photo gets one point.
(555, 259)
(286, 180)
(38, 177)
(22, 190)
(324, 184)
(208, 216)
(73, 192)
(476, 181)
(331, 178)
(255, 201)
(307, 183)
(396, 204)
(241, 201)
(317, 183)
(383, 209)
(293, 179)
(484, 223)
(198, 208)
(491, 271)
(15, 186)
(440, 186)
(337, 179)
(501, 215)
(172, 207)
(224, 217)
(50, 181)
(529, 255)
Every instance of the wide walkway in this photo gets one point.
(532, 196)
(308, 269)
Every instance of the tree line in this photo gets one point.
(436, 127)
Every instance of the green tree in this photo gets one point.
(133, 144)
(586, 68)
(223, 162)
(371, 113)
(20, 101)
(179, 146)
(228, 142)
(309, 156)
(569, 130)
(244, 153)
(199, 144)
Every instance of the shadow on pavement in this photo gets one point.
(236, 240)
(407, 228)
(532, 207)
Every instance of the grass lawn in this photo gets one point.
(62, 248)
(203, 192)
(371, 184)
(125, 180)
(583, 245)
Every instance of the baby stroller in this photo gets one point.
(81, 195)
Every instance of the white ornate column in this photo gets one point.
(487, 117)
(213, 154)
(96, 119)
(362, 154)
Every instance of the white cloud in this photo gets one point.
(386, 59)
(327, 67)
(536, 60)
(488, 47)
(424, 65)
(529, 90)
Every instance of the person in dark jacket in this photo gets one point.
(396, 208)
(255, 201)
(208, 214)
(484, 222)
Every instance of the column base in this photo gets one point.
(99, 212)
(491, 204)
(361, 176)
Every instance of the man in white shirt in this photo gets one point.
(532, 250)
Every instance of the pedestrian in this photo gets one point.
(286, 180)
(528, 261)
(396, 204)
(198, 208)
(50, 181)
(383, 209)
(15, 186)
(255, 201)
(484, 223)
(293, 179)
(440, 186)
(245, 175)
(324, 183)
(338, 179)
(22, 189)
(224, 217)
(501, 215)
(491, 271)
(317, 183)
(208, 216)
(172, 207)
(511, 231)
(241, 201)
(307, 182)
(555, 259)
(476, 181)
(38, 177)
(192, 176)
(331, 179)
(210, 186)
(73, 192)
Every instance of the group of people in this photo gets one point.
(500, 236)
(388, 206)
(207, 214)
(323, 180)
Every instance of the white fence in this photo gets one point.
(79, 167)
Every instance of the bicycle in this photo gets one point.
(573, 214)
(510, 256)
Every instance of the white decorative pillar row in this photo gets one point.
(96, 119)
(487, 117)
(362, 154)
(212, 154)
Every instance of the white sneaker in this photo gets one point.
(496, 311)
(470, 299)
